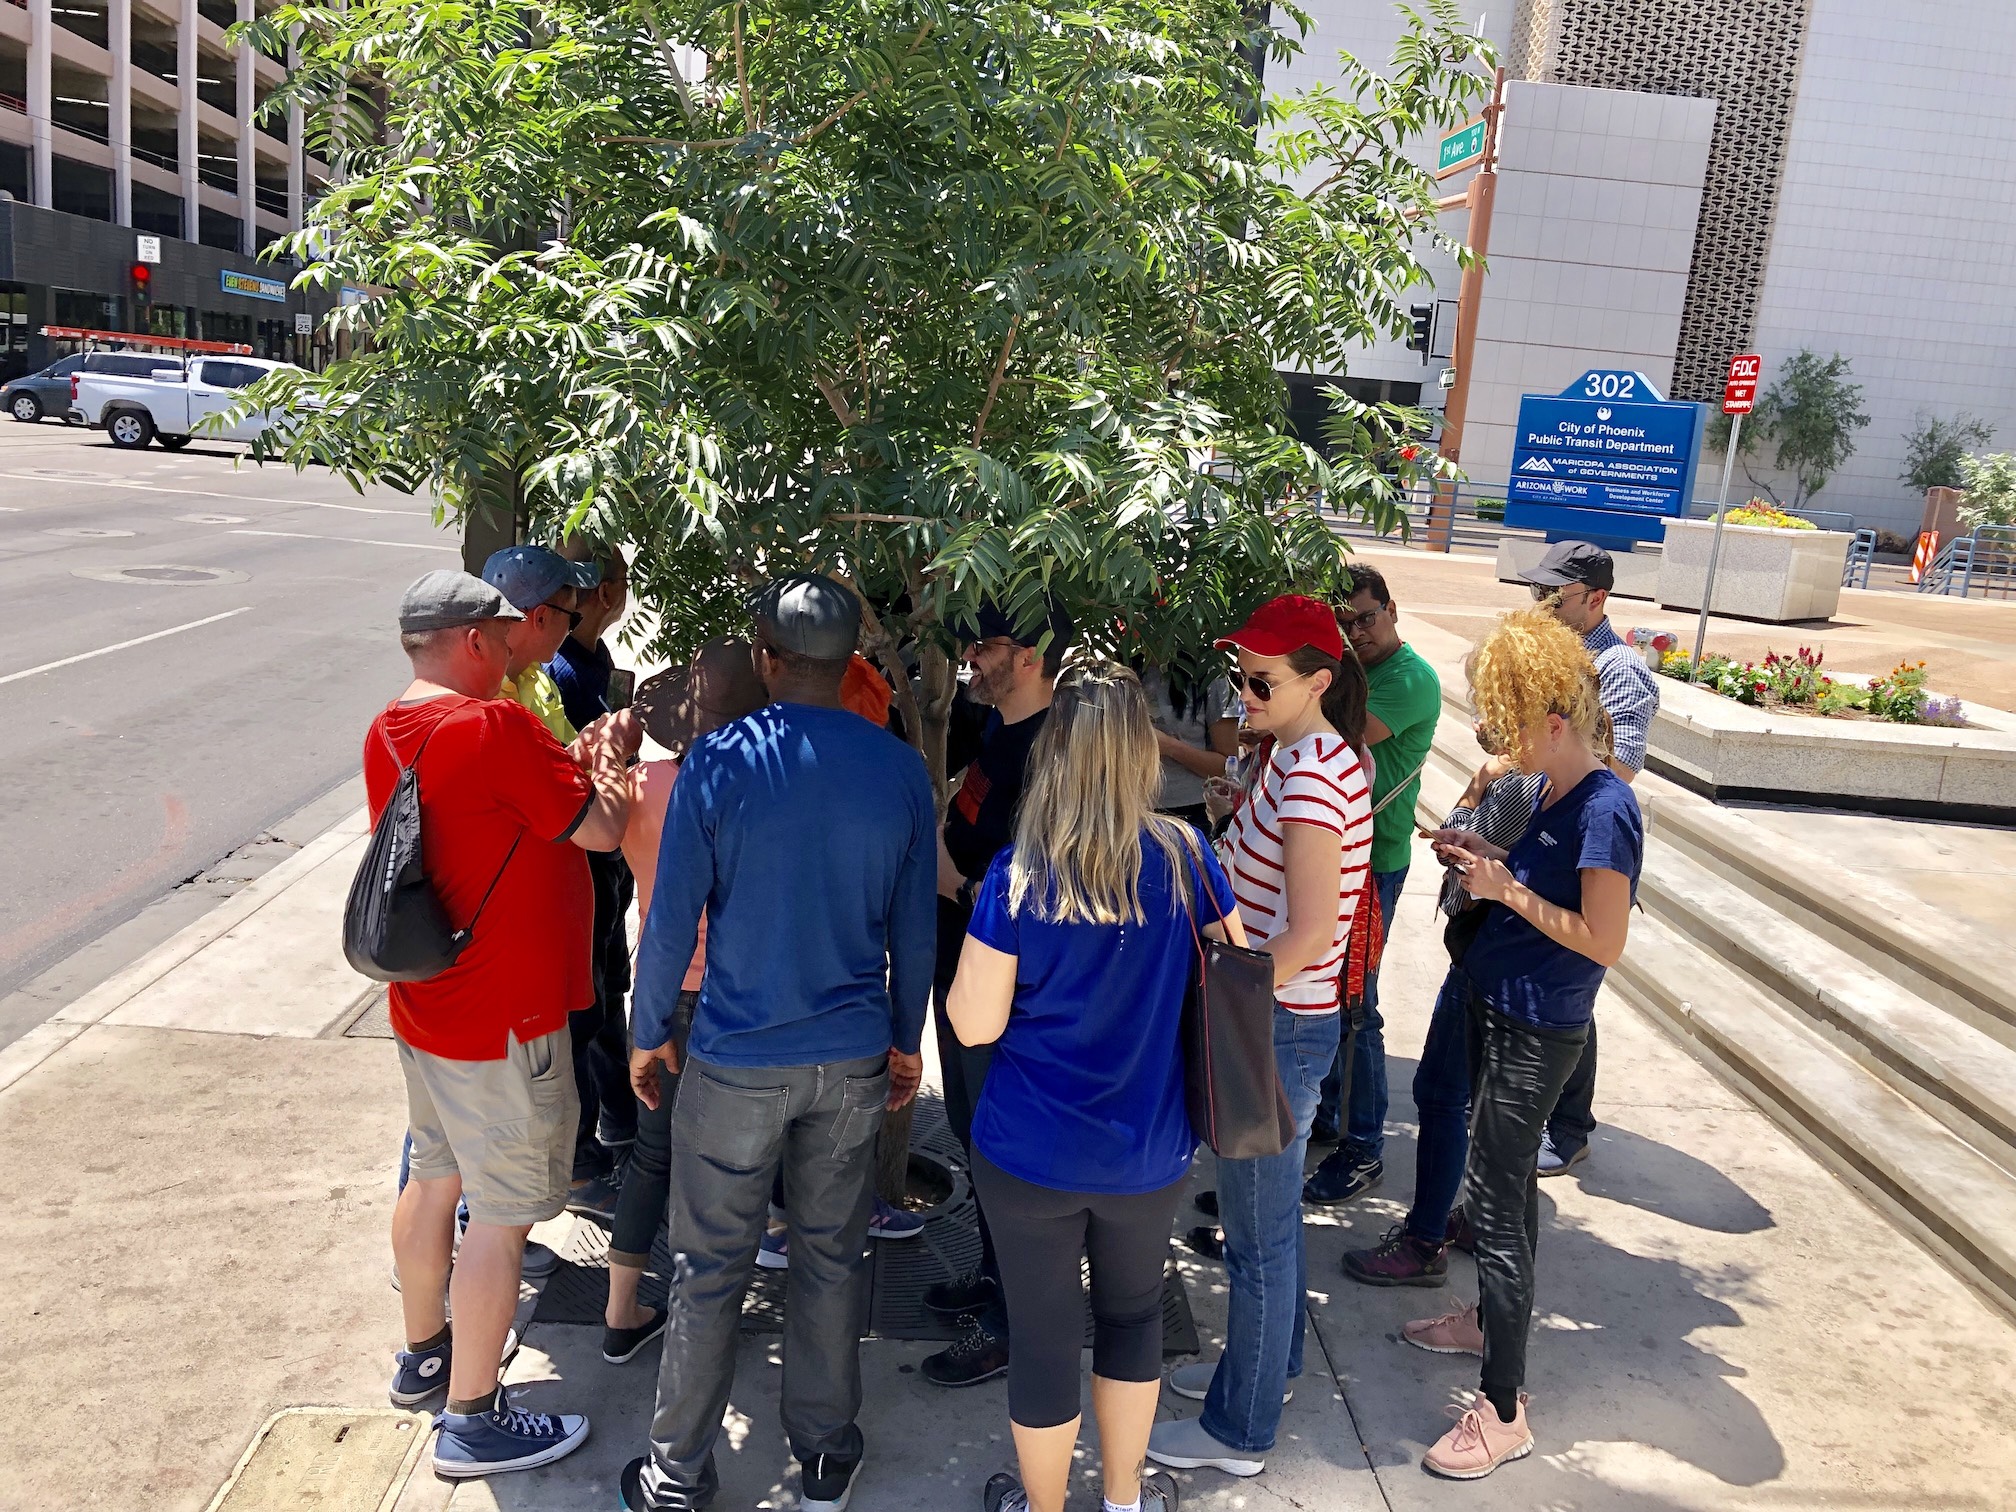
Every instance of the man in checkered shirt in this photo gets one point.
(1574, 580)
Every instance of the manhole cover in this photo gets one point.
(69, 476)
(169, 574)
(325, 1458)
(87, 532)
(211, 519)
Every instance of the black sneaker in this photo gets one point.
(620, 1345)
(1206, 1202)
(974, 1357)
(1158, 1491)
(825, 1482)
(1207, 1240)
(1324, 1133)
(594, 1198)
(1344, 1174)
(1004, 1493)
(969, 1293)
(1398, 1259)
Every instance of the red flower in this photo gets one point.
(1409, 453)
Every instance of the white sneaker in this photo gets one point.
(1182, 1444)
(1194, 1381)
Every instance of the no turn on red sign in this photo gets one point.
(1739, 389)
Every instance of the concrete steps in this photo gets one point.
(1878, 1042)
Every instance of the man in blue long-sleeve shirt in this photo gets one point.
(809, 837)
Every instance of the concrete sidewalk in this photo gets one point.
(196, 1179)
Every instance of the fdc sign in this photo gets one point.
(1608, 459)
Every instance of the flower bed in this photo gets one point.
(1796, 684)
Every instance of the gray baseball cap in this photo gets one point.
(811, 615)
(446, 599)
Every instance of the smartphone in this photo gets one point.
(622, 686)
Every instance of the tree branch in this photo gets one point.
(686, 106)
(994, 383)
(742, 77)
(861, 94)
(857, 517)
(842, 410)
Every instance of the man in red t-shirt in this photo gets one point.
(507, 813)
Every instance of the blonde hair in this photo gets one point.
(1531, 666)
(1090, 797)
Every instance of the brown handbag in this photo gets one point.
(1231, 1084)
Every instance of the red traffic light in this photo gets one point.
(141, 273)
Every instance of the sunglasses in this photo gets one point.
(1541, 592)
(573, 616)
(1260, 685)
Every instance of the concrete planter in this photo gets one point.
(1764, 574)
(1725, 749)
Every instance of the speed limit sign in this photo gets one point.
(1739, 389)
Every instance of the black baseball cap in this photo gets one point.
(992, 622)
(1572, 562)
(808, 614)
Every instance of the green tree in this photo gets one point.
(1935, 447)
(1808, 417)
(950, 298)
(1990, 484)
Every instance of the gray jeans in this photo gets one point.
(731, 1128)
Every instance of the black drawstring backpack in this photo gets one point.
(394, 927)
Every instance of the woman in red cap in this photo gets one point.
(1297, 853)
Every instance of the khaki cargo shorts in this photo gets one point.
(505, 1126)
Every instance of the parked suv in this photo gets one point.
(35, 395)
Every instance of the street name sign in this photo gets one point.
(1459, 149)
(1739, 389)
(1609, 459)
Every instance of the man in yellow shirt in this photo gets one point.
(541, 585)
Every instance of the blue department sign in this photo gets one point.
(1609, 459)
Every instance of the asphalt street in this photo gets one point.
(196, 646)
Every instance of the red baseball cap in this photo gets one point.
(1286, 624)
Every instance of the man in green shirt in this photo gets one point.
(1405, 702)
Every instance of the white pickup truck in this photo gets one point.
(170, 404)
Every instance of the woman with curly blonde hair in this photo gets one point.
(1557, 906)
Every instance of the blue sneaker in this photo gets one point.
(774, 1253)
(504, 1438)
(423, 1375)
(892, 1222)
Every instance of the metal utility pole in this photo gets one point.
(1470, 295)
(1739, 397)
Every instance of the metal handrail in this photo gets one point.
(1987, 554)
(1861, 557)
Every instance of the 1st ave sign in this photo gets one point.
(1460, 148)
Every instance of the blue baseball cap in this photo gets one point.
(527, 576)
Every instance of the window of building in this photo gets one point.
(83, 18)
(81, 189)
(14, 170)
(81, 307)
(1308, 404)
(168, 320)
(155, 211)
(218, 326)
(216, 229)
(13, 331)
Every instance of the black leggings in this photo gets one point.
(1516, 1076)
(1043, 1236)
(640, 1203)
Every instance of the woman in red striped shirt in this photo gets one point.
(1297, 852)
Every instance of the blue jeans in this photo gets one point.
(1365, 1124)
(1442, 1099)
(1266, 1264)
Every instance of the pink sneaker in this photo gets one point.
(1452, 1333)
(1479, 1443)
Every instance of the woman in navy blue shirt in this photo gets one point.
(1074, 968)
(1558, 905)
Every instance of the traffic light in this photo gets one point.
(1421, 325)
(142, 275)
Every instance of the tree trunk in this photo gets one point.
(936, 673)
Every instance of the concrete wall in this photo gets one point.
(1895, 242)
(1598, 190)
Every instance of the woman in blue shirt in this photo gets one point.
(1074, 968)
(1558, 905)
